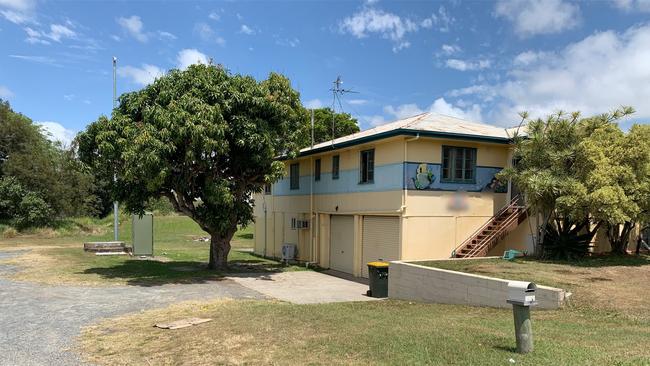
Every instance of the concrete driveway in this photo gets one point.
(305, 287)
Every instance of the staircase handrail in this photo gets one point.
(510, 204)
(500, 230)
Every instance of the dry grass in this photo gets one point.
(385, 332)
(620, 284)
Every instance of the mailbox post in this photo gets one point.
(522, 296)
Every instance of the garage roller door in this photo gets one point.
(380, 240)
(342, 243)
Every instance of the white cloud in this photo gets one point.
(440, 106)
(534, 17)
(376, 21)
(5, 93)
(133, 25)
(486, 92)
(246, 30)
(442, 20)
(530, 57)
(144, 75)
(594, 75)
(214, 16)
(287, 42)
(69, 97)
(189, 57)
(633, 5)
(208, 34)
(403, 111)
(17, 11)
(357, 101)
(314, 104)
(56, 33)
(38, 59)
(59, 31)
(56, 132)
(449, 49)
(375, 120)
(462, 65)
(166, 35)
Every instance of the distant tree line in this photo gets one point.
(40, 181)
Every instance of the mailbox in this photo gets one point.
(521, 293)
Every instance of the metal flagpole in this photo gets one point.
(115, 204)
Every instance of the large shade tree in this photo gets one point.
(205, 139)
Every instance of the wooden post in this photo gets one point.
(523, 328)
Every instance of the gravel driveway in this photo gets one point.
(39, 323)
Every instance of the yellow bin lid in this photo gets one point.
(378, 264)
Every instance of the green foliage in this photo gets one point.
(33, 211)
(344, 125)
(566, 241)
(581, 173)
(205, 139)
(20, 207)
(159, 206)
(53, 174)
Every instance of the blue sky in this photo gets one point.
(480, 60)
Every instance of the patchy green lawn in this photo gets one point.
(385, 332)
(57, 256)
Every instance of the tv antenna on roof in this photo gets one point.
(337, 92)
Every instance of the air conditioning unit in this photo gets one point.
(299, 224)
(288, 252)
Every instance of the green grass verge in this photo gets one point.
(56, 256)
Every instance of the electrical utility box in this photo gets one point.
(142, 234)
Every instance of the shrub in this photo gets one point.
(11, 194)
(33, 211)
(9, 233)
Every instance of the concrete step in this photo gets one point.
(106, 247)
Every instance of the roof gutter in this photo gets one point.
(402, 132)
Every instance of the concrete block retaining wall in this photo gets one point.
(410, 281)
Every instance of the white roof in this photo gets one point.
(429, 122)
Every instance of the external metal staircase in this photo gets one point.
(496, 228)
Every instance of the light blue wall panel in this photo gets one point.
(387, 178)
(428, 177)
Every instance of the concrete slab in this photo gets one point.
(305, 287)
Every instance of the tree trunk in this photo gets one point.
(219, 249)
(619, 237)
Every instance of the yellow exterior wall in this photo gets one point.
(429, 228)
(519, 239)
(430, 150)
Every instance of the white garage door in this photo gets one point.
(380, 240)
(342, 243)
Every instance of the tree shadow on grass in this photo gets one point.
(248, 236)
(156, 273)
(502, 347)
